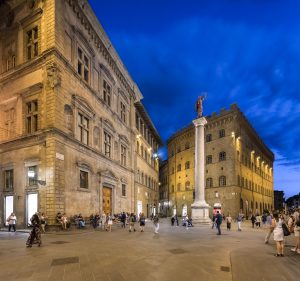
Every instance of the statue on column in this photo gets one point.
(199, 106)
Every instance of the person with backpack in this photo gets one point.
(132, 220)
(142, 222)
(218, 222)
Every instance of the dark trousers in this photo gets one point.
(13, 226)
(219, 228)
(228, 226)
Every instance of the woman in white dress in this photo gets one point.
(278, 234)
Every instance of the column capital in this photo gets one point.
(200, 121)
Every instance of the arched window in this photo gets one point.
(187, 165)
(187, 185)
(178, 167)
(178, 186)
(209, 182)
(222, 156)
(222, 181)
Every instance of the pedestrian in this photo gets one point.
(132, 220)
(258, 221)
(239, 221)
(228, 222)
(172, 221)
(176, 220)
(109, 222)
(123, 220)
(156, 224)
(218, 222)
(142, 222)
(43, 219)
(35, 233)
(186, 222)
(296, 232)
(103, 221)
(278, 234)
(253, 220)
(12, 219)
(270, 228)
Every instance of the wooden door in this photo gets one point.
(106, 200)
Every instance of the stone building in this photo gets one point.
(68, 109)
(239, 167)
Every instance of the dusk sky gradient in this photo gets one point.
(238, 51)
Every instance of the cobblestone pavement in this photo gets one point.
(174, 254)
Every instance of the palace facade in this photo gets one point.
(239, 168)
(74, 134)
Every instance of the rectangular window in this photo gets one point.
(31, 116)
(208, 159)
(208, 138)
(32, 174)
(32, 43)
(84, 179)
(123, 112)
(222, 133)
(107, 145)
(83, 65)
(123, 189)
(83, 126)
(9, 179)
(106, 93)
(123, 155)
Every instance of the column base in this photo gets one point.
(200, 214)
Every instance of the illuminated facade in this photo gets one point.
(68, 107)
(239, 167)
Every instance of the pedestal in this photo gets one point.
(200, 209)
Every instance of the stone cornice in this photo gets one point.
(100, 45)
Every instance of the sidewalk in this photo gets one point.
(175, 254)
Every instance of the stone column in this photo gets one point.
(200, 209)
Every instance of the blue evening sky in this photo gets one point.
(238, 51)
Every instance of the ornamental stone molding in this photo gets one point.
(53, 75)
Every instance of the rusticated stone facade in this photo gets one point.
(239, 167)
(68, 116)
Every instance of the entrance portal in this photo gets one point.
(32, 206)
(106, 199)
(9, 207)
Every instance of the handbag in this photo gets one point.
(285, 230)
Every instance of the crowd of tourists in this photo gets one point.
(276, 223)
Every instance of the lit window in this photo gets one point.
(32, 43)
(32, 116)
(84, 179)
(107, 144)
(32, 175)
(83, 65)
(187, 185)
(83, 126)
(106, 93)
